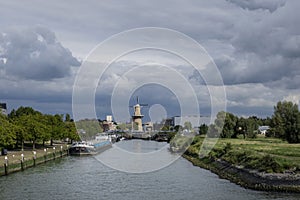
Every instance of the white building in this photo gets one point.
(3, 108)
(109, 118)
(263, 129)
(148, 126)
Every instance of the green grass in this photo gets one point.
(263, 154)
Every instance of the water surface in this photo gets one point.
(87, 178)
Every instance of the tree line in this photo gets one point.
(284, 124)
(27, 124)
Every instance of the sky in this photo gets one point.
(253, 44)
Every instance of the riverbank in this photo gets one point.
(16, 160)
(253, 167)
(247, 178)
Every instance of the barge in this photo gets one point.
(89, 148)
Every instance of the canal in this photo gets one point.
(87, 178)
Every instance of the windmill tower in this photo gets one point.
(137, 115)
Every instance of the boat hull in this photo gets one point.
(81, 150)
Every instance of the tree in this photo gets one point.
(70, 131)
(213, 131)
(21, 134)
(267, 121)
(55, 126)
(35, 128)
(122, 126)
(188, 125)
(203, 128)
(178, 128)
(285, 122)
(22, 111)
(89, 128)
(68, 118)
(165, 128)
(226, 123)
(251, 127)
(7, 135)
(240, 127)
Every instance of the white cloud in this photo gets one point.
(34, 53)
(270, 5)
(255, 44)
(295, 98)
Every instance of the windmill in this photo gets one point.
(137, 115)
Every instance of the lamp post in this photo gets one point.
(68, 149)
(6, 160)
(34, 157)
(22, 160)
(5, 165)
(243, 132)
(61, 151)
(54, 153)
(45, 154)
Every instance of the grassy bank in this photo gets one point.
(261, 163)
(30, 158)
(264, 154)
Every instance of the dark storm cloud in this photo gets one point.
(34, 53)
(255, 44)
(265, 50)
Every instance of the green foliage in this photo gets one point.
(196, 140)
(188, 125)
(226, 122)
(27, 124)
(213, 131)
(7, 135)
(181, 142)
(285, 122)
(68, 118)
(178, 128)
(88, 128)
(171, 135)
(35, 127)
(262, 154)
(70, 131)
(227, 147)
(228, 125)
(251, 127)
(269, 164)
(22, 111)
(165, 128)
(55, 127)
(203, 128)
(122, 126)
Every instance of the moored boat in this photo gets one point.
(89, 148)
